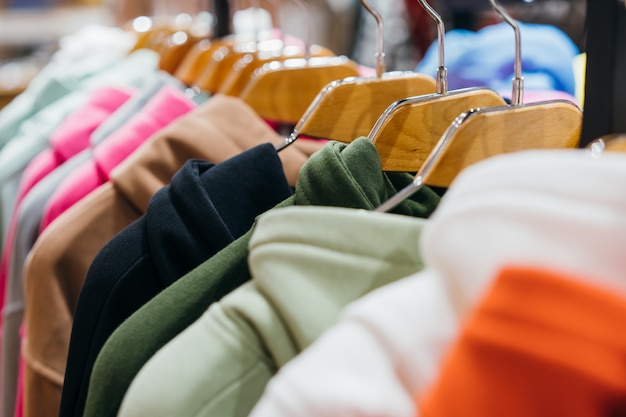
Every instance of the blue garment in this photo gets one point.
(485, 58)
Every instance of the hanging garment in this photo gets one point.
(486, 58)
(165, 107)
(358, 367)
(204, 209)
(31, 212)
(35, 132)
(81, 55)
(337, 175)
(70, 138)
(541, 343)
(17, 154)
(496, 213)
(150, 87)
(57, 265)
(306, 264)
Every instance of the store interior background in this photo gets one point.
(30, 30)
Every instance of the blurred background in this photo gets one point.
(30, 30)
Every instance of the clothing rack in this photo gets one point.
(222, 13)
(605, 88)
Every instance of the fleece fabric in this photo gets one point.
(205, 208)
(338, 175)
(165, 107)
(33, 134)
(56, 267)
(71, 137)
(541, 343)
(527, 209)
(306, 264)
(31, 214)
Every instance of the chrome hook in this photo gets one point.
(380, 51)
(442, 72)
(518, 81)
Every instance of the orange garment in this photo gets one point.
(540, 344)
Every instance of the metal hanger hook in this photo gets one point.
(518, 80)
(442, 72)
(380, 51)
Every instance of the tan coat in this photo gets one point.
(57, 265)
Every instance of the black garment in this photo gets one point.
(205, 208)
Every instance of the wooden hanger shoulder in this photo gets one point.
(244, 68)
(174, 50)
(409, 130)
(550, 125)
(282, 91)
(197, 59)
(348, 108)
(151, 39)
(220, 64)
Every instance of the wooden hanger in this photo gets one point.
(170, 37)
(407, 131)
(283, 90)
(150, 31)
(225, 59)
(198, 57)
(242, 71)
(348, 108)
(221, 63)
(482, 133)
(174, 49)
(244, 68)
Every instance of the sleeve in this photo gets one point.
(386, 347)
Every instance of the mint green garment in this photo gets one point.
(338, 175)
(33, 134)
(67, 70)
(307, 263)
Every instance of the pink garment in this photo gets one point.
(73, 135)
(166, 106)
(69, 138)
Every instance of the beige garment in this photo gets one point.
(57, 265)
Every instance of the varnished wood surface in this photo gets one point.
(554, 125)
(197, 59)
(282, 91)
(173, 51)
(347, 109)
(405, 136)
(220, 65)
(244, 68)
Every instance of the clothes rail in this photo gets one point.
(222, 13)
(605, 88)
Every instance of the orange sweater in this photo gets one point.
(540, 344)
